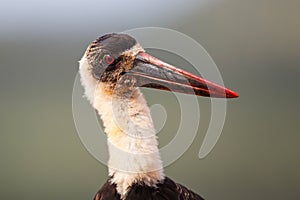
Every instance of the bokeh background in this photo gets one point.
(255, 44)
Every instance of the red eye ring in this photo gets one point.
(108, 59)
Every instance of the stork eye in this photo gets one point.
(108, 59)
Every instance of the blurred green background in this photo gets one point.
(255, 44)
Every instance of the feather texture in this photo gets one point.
(166, 190)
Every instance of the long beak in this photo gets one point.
(153, 73)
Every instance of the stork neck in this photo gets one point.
(132, 142)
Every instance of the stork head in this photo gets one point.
(118, 61)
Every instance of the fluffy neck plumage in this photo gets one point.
(133, 147)
(132, 143)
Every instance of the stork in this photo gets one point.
(112, 69)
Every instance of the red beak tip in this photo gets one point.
(232, 94)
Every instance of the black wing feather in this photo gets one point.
(167, 190)
(108, 192)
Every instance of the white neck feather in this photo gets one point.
(132, 142)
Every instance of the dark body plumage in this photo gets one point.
(167, 190)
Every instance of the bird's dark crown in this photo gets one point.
(106, 56)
